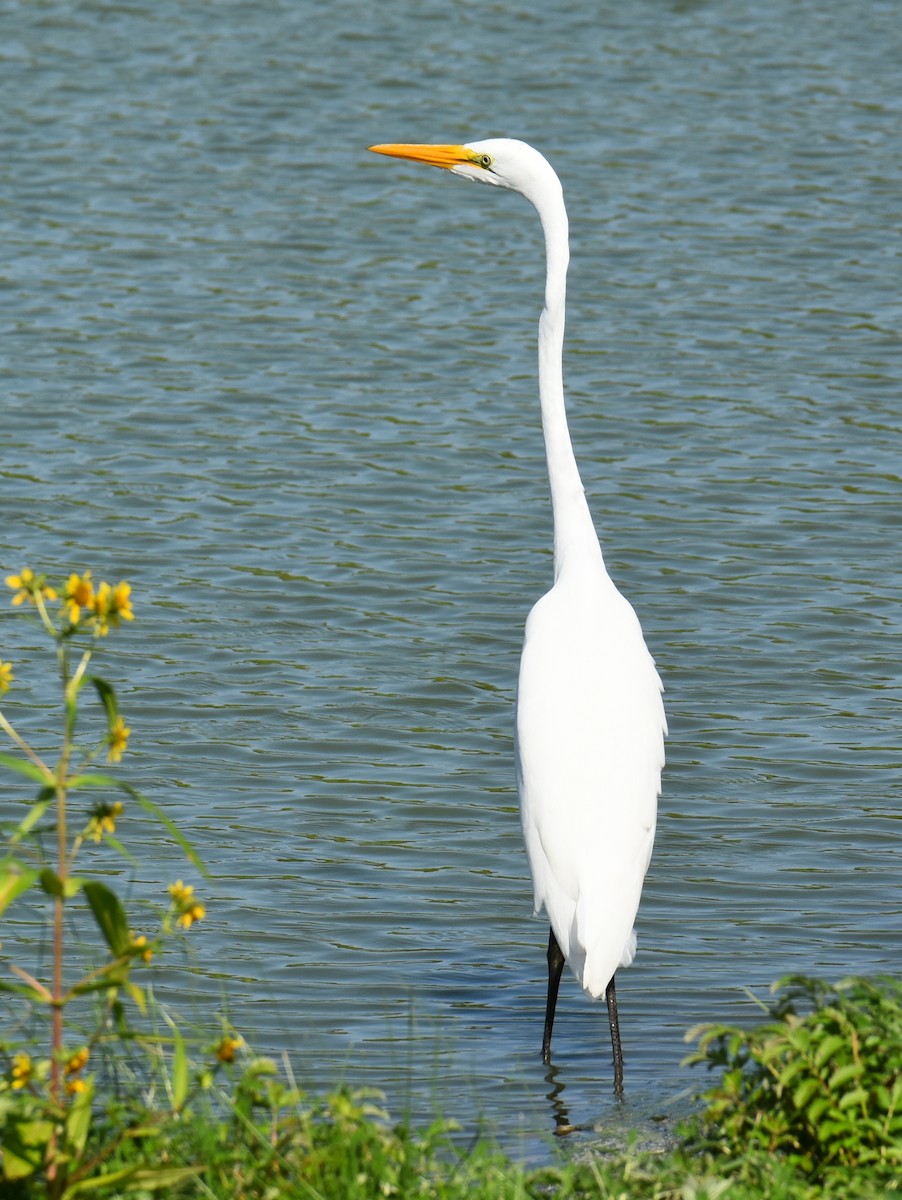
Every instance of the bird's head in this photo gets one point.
(503, 162)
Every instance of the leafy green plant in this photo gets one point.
(47, 1100)
(819, 1083)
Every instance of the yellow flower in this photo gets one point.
(23, 583)
(196, 912)
(27, 586)
(110, 604)
(74, 1086)
(118, 742)
(6, 676)
(190, 910)
(225, 1051)
(22, 1069)
(103, 819)
(120, 601)
(78, 1061)
(78, 594)
(101, 607)
(141, 948)
(180, 892)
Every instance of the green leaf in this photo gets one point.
(137, 994)
(44, 800)
(157, 812)
(804, 1092)
(114, 977)
(828, 1047)
(95, 779)
(179, 1066)
(22, 989)
(108, 700)
(816, 1109)
(109, 915)
(120, 849)
(24, 1146)
(63, 889)
(14, 880)
(148, 1179)
(843, 1074)
(859, 1096)
(795, 1067)
(24, 767)
(78, 1118)
(827, 1130)
(51, 883)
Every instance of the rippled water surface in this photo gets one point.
(287, 390)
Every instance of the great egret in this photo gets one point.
(590, 719)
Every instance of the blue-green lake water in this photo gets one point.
(287, 389)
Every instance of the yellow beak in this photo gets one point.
(435, 156)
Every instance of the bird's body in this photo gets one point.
(590, 719)
(588, 768)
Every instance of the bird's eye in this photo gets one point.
(485, 160)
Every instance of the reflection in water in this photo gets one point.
(562, 1122)
(560, 1110)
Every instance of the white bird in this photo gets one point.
(590, 718)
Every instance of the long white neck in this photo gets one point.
(575, 540)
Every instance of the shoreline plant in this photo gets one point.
(56, 853)
(818, 1083)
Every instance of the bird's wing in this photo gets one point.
(590, 748)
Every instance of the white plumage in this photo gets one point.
(589, 767)
(590, 719)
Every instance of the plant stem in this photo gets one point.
(44, 615)
(62, 870)
(56, 1048)
(25, 748)
(76, 678)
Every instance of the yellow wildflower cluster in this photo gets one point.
(75, 1064)
(118, 740)
(102, 606)
(103, 819)
(110, 604)
(6, 676)
(141, 948)
(105, 605)
(22, 1069)
(225, 1051)
(189, 908)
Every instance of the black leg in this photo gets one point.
(555, 967)
(610, 996)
